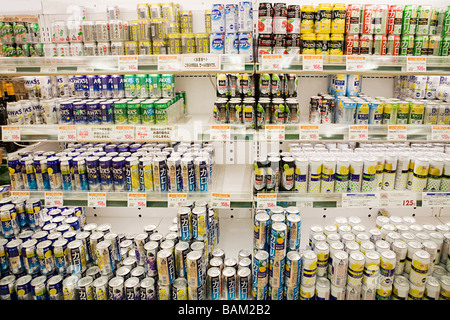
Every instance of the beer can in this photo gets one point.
(229, 283)
(309, 268)
(292, 269)
(322, 289)
(352, 19)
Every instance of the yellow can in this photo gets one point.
(308, 17)
(174, 43)
(133, 26)
(208, 21)
(338, 18)
(308, 43)
(322, 43)
(186, 21)
(337, 44)
(323, 18)
(202, 42)
(160, 47)
(188, 43)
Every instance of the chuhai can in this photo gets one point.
(118, 174)
(165, 266)
(14, 254)
(45, 256)
(23, 288)
(39, 288)
(30, 259)
(54, 173)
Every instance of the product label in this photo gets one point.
(137, 200)
(416, 64)
(275, 132)
(200, 62)
(220, 200)
(266, 200)
(360, 200)
(355, 63)
(220, 133)
(358, 133)
(10, 133)
(312, 63)
(309, 132)
(272, 62)
(175, 200)
(53, 199)
(67, 133)
(124, 133)
(96, 199)
(127, 63)
(168, 63)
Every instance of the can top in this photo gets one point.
(116, 281)
(262, 255)
(309, 254)
(29, 243)
(279, 226)
(179, 282)
(165, 253)
(372, 255)
(321, 246)
(148, 283)
(75, 244)
(131, 282)
(293, 256)
(229, 271)
(60, 243)
(244, 272)
(322, 282)
(193, 255)
(401, 281)
(100, 281)
(152, 245)
(422, 255)
(103, 245)
(213, 272)
(38, 281)
(8, 279)
(55, 279)
(357, 256)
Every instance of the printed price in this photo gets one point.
(137, 200)
(358, 133)
(10, 133)
(440, 133)
(95, 133)
(220, 200)
(309, 133)
(200, 62)
(399, 199)
(67, 133)
(360, 200)
(127, 63)
(20, 194)
(272, 62)
(85, 69)
(416, 64)
(305, 204)
(397, 133)
(96, 199)
(355, 63)
(220, 133)
(312, 63)
(266, 200)
(53, 199)
(8, 70)
(175, 200)
(168, 63)
(49, 69)
(124, 133)
(436, 199)
(275, 132)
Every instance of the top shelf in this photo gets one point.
(374, 65)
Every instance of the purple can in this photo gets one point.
(117, 86)
(118, 170)
(106, 174)
(94, 86)
(93, 113)
(79, 113)
(111, 147)
(105, 86)
(134, 147)
(81, 86)
(93, 173)
(66, 112)
(124, 147)
(106, 108)
(112, 154)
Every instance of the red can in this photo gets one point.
(394, 24)
(352, 44)
(368, 19)
(352, 19)
(365, 44)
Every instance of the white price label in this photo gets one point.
(137, 200)
(10, 133)
(67, 133)
(397, 132)
(312, 63)
(127, 63)
(416, 64)
(220, 133)
(85, 69)
(53, 199)
(266, 200)
(272, 62)
(355, 63)
(358, 133)
(274, 132)
(95, 133)
(200, 62)
(175, 200)
(440, 133)
(155, 133)
(220, 200)
(398, 199)
(305, 204)
(96, 199)
(168, 63)
(309, 132)
(20, 194)
(49, 69)
(124, 133)
(436, 199)
(360, 200)
(8, 70)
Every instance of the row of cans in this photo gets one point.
(22, 50)
(232, 43)
(232, 17)
(420, 87)
(19, 32)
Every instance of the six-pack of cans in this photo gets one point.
(21, 39)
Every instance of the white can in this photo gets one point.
(62, 49)
(320, 237)
(400, 288)
(384, 291)
(315, 173)
(76, 49)
(368, 293)
(231, 17)
(352, 293)
(217, 18)
(382, 245)
(347, 237)
(361, 237)
(322, 289)
(371, 272)
(413, 246)
(375, 235)
(351, 246)
(74, 31)
(431, 86)
(392, 236)
(345, 229)
(432, 289)
(401, 175)
(246, 44)
(387, 267)
(435, 174)
(231, 43)
(381, 221)
(307, 293)
(328, 171)
(400, 248)
(309, 268)
(301, 175)
(322, 251)
(390, 168)
(437, 238)
(314, 229)
(59, 32)
(355, 178)
(366, 246)
(415, 292)
(245, 16)
(420, 175)
(279, 25)
(339, 268)
(355, 269)
(444, 281)
(445, 248)
(432, 248)
(337, 293)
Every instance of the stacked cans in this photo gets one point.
(20, 39)
(430, 88)
(110, 167)
(308, 168)
(232, 29)
(256, 101)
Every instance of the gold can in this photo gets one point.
(159, 47)
(308, 17)
(337, 44)
(309, 43)
(186, 21)
(145, 48)
(131, 48)
(143, 11)
(188, 43)
(155, 11)
(133, 26)
(159, 29)
(177, 12)
(174, 43)
(202, 42)
(322, 43)
(143, 31)
(208, 21)
(323, 18)
(167, 11)
(338, 18)
(173, 27)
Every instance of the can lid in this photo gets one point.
(165, 253)
(43, 244)
(100, 281)
(116, 281)
(213, 272)
(58, 243)
(293, 256)
(229, 271)
(23, 280)
(179, 282)
(55, 279)
(131, 282)
(148, 283)
(75, 244)
(38, 280)
(193, 255)
(243, 272)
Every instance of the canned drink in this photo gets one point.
(77, 256)
(44, 252)
(229, 283)
(165, 267)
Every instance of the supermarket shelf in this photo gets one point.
(110, 65)
(375, 65)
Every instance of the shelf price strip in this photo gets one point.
(355, 63)
(394, 199)
(416, 64)
(124, 133)
(10, 133)
(53, 199)
(396, 132)
(360, 200)
(67, 133)
(8, 70)
(358, 132)
(95, 133)
(272, 62)
(210, 62)
(312, 63)
(435, 199)
(220, 133)
(274, 132)
(127, 63)
(175, 200)
(266, 200)
(220, 200)
(309, 133)
(440, 133)
(20, 194)
(137, 200)
(96, 199)
(168, 63)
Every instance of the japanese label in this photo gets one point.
(95, 133)
(397, 133)
(155, 133)
(67, 133)
(10, 133)
(220, 200)
(416, 64)
(200, 62)
(124, 133)
(137, 200)
(127, 63)
(266, 200)
(49, 69)
(274, 132)
(312, 63)
(220, 132)
(175, 200)
(436, 199)
(96, 199)
(360, 200)
(53, 199)
(309, 132)
(398, 199)
(355, 63)
(440, 133)
(20, 194)
(358, 133)
(168, 63)
(272, 62)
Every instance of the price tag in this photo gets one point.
(96, 199)
(95, 133)
(168, 63)
(8, 70)
(200, 62)
(436, 199)
(358, 133)
(312, 63)
(85, 69)
(175, 200)
(416, 64)
(266, 200)
(309, 132)
(360, 200)
(272, 62)
(137, 200)
(398, 199)
(440, 133)
(355, 63)
(155, 133)
(67, 133)
(274, 132)
(397, 132)
(220, 132)
(305, 204)
(127, 63)
(124, 133)
(53, 199)
(20, 194)
(49, 69)
(220, 200)
(10, 133)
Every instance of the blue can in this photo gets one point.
(201, 166)
(14, 254)
(229, 283)
(106, 176)
(26, 235)
(111, 148)
(243, 283)
(362, 112)
(40, 235)
(134, 147)
(30, 259)
(4, 267)
(112, 154)
(21, 213)
(9, 220)
(45, 256)
(61, 255)
(349, 110)
(160, 174)
(33, 208)
(23, 288)
(124, 147)
(28, 174)
(80, 174)
(73, 222)
(104, 85)
(49, 154)
(174, 181)
(81, 86)
(70, 236)
(93, 112)
(353, 85)
(246, 44)
(106, 112)
(39, 288)
(40, 167)
(118, 170)
(66, 166)
(376, 112)
(94, 86)
(217, 43)
(93, 173)
(117, 86)
(8, 288)
(15, 173)
(54, 173)
(55, 287)
(79, 113)
(66, 112)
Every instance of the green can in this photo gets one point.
(39, 49)
(446, 22)
(423, 20)
(129, 85)
(433, 21)
(120, 112)
(420, 46)
(9, 50)
(161, 112)
(167, 85)
(134, 112)
(403, 112)
(409, 19)
(141, 84)
(154, 89)
(406, 45)
(182, 95)
(434, 43)
(444, 48)
(417, 110)
(7, 33)
(148, 112)
(20, 30)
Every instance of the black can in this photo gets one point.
(220, 111)
(277, 85)
(273, 174)
(266, 104)
(332, 105)
(280, 40)
(293, 11)
(233, 85)
(265, 40)
(280, 10)
(291, 86)
(314, 110)
(265, 9)
(292, 40)
(259, 175)
(287, 174)
(235, 111)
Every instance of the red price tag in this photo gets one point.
(53, 199)
(309, 132)
(96, 199)
(137, 200)
(416, 64)
(312, 62)
(127, 63)
(10, 133)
